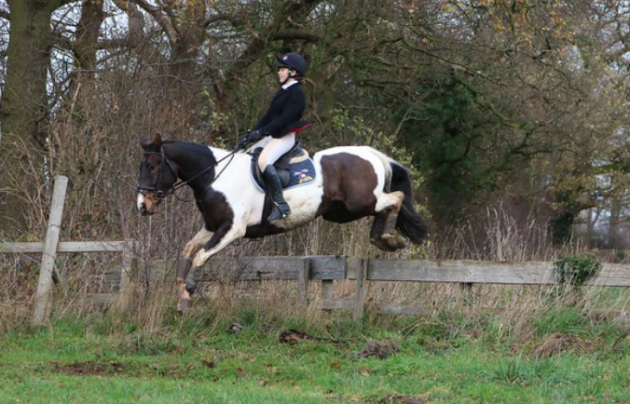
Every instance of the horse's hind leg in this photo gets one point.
(376, 234)
(383, 234)
(186, 281)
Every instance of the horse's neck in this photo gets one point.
(230, 166)
(219, 154)
(193, 164)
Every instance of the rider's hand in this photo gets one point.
(254, 136)
(241, 144)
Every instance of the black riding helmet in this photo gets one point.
(293, 61)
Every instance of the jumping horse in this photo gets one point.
(341, 184)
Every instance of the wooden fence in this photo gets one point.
(325, 269)
(51, 246)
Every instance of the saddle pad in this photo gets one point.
(301, 171)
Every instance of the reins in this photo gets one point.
(173, 189)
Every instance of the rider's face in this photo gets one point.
(283, 74)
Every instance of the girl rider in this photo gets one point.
(282, 116)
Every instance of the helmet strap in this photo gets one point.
(289, 77)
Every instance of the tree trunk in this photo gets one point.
(24, 105)
(86, 46)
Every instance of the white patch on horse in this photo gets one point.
(304, 202)
(245, 200)
(391, 200)
(237, 231)
(197, 242)
(140, 201)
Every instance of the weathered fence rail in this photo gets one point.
(407, 270)
(65, 247)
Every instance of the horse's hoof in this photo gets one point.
(381, 245)
(182, 305)
(191, 286)
(394, 241)
(389, 242)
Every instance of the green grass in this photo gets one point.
(98, 360)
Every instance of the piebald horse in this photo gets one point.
(341, 184)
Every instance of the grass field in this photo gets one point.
(101, 359)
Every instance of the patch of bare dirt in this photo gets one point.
(379, 349)
(89, 368)
(294, 336)
(403, 399)
(556, 343)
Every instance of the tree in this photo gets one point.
(25, 107)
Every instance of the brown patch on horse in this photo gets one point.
(217, 212)
(349, 183)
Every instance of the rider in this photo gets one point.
(279, 122)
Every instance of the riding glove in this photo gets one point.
(254, 136)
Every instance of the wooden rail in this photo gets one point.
(65, 247)
(407, 270)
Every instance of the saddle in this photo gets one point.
(295, 167)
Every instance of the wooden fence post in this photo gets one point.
(467, 289)
(304, 275)
(359, 302)
(44, 285)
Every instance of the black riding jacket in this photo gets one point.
(284, 112)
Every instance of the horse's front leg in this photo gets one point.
(219, 240)
(190, 250)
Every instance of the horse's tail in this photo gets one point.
(409, 223)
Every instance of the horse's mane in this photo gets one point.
(201, 151)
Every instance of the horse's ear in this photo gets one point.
(144, 144)
(156, 145)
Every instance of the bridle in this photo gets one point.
(159, 194)
(163, 162)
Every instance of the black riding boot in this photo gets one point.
(280, 207)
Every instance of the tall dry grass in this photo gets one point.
(508, 312)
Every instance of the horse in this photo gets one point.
(340, 184)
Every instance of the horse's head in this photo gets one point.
(156, 178)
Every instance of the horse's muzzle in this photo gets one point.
(146, 205)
